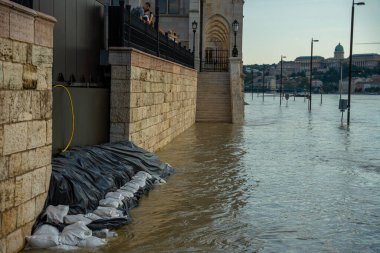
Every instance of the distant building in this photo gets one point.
(302, 63)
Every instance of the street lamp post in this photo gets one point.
(311, 71)
(282, 57)
(263, 83)
(252, 84)
(350, 61)
(235, 28)
(194, 26)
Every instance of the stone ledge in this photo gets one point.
(26, 10)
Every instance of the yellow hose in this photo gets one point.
(72, 113)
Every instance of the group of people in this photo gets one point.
(144, 13)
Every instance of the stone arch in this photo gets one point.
(217, 33)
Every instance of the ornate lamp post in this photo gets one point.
(235, 28)
(350, 61)
(194, 25)
(311, 71)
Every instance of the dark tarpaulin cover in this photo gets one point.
(83, 176)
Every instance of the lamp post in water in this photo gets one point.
(350, 61)
(263, 83)
(311, 71)
(282, 57)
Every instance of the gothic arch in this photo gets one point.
(217, 33)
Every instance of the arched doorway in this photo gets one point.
(216, 45)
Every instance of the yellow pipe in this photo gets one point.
(72, 114)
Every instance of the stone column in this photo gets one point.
(26, 56)
(237, 92)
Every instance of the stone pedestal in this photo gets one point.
(26, 55)
(237, 90)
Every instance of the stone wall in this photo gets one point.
(152, 100)
(25, 120)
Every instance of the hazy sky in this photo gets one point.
(275, 27)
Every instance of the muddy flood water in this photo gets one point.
(285, 181)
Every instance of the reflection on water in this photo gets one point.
(285, 181)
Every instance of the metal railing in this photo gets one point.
(216, 61)
(127, 30)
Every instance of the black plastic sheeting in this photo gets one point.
(83, 176)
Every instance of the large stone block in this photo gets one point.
(117, 128)
(38, 181)
(15, 241)
(5, 49)
(36, 134)
(120, 72)
(44, 77)
(49, 132)
(43, 156)
(7, 194)
(26, 212)
(1, 76)
(3, 168)
(3, 244)
(38, 55)
(36, 105)
(4, 22)
(119, 85)
(21, 27)
(13, 75)
(46, 104)
(43, 33)
(19, 52)
(23, 189)
(15, 138)
(4, 107)
(9, 221)
(15, 165)
(20, 106)
(40, 202)
(29, 77)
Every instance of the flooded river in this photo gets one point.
(285, 181)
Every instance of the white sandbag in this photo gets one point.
(160, 181)
(72, 234)
(132, 185)
(92, 216)
(108, 212)
(139, 182)
(149, 176)
(46, 230)
(140, 176)
(126, 194)
(55, 214)
(71, 219)
(92, 242)
(131, 189)
(109, 202)
(115, 195)
(42, 241)
(104, 233)
(64, 247)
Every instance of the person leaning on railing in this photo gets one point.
(144, 13)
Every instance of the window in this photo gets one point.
(169, 6)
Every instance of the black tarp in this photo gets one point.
(83, 176)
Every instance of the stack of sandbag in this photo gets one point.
(89, 230)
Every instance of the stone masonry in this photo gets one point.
(26, 55)
(152, 100)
